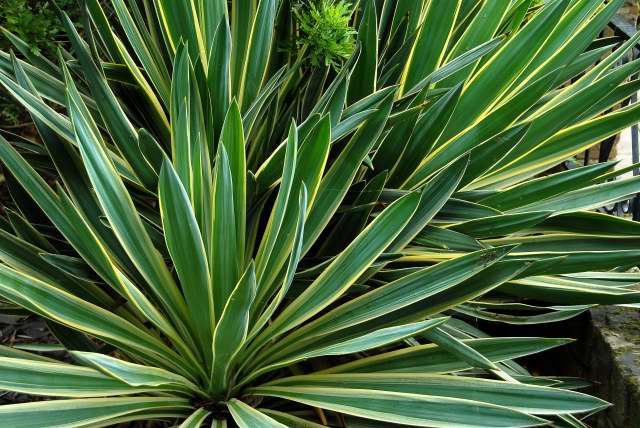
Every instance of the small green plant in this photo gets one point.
(10, 113)
(326, 34)
(36, 23)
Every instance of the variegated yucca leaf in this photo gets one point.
(223, 233)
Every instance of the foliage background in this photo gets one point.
(37, 23)
(467, 230)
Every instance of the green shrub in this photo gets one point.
(220, 238)
(326, 34)
(37, 24)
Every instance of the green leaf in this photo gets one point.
(587, 222)
(570, 37)
(351, 223)
(180, 22)
(398, 294)
(564, 243)
(458, 348)
(334, 184)
(38, 108)
(481, 283)
(562, 145)
(587, 198)
(370, 102)
(66, 309)
(456, 210)
(231, 331)
(536, 400)
(61, 380)
(224, 245)
(365, 71)
(91, 411)
(345, 269)
(153, 106)
(430, 46)
(360, 343)
(294, 258)
(114, 117)
(433, 359)
(36, 59)
(218, 75)
(500, 225)
(494, 78)
(449, 69)
(433, 196)
(541, 188)
(278, 213)
(68, 162)
(196, 419)
(47, 86)
(448, 149)
(183, 238)
(310, 165)
(9, 352)
(427, 130)
(555, 116)
(555, 314)
(121, 213)
(480, 30)
(219, 423)
(488, 154)
(571, 292)
(232, 138)
(135, 375)
(437, 237)
(290, 420)
(211, 13)
(257, 52)
(401, 408)
(248, 417)
(68, 222)
(147, 53)
(574, 34)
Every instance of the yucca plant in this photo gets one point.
(222, 231)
